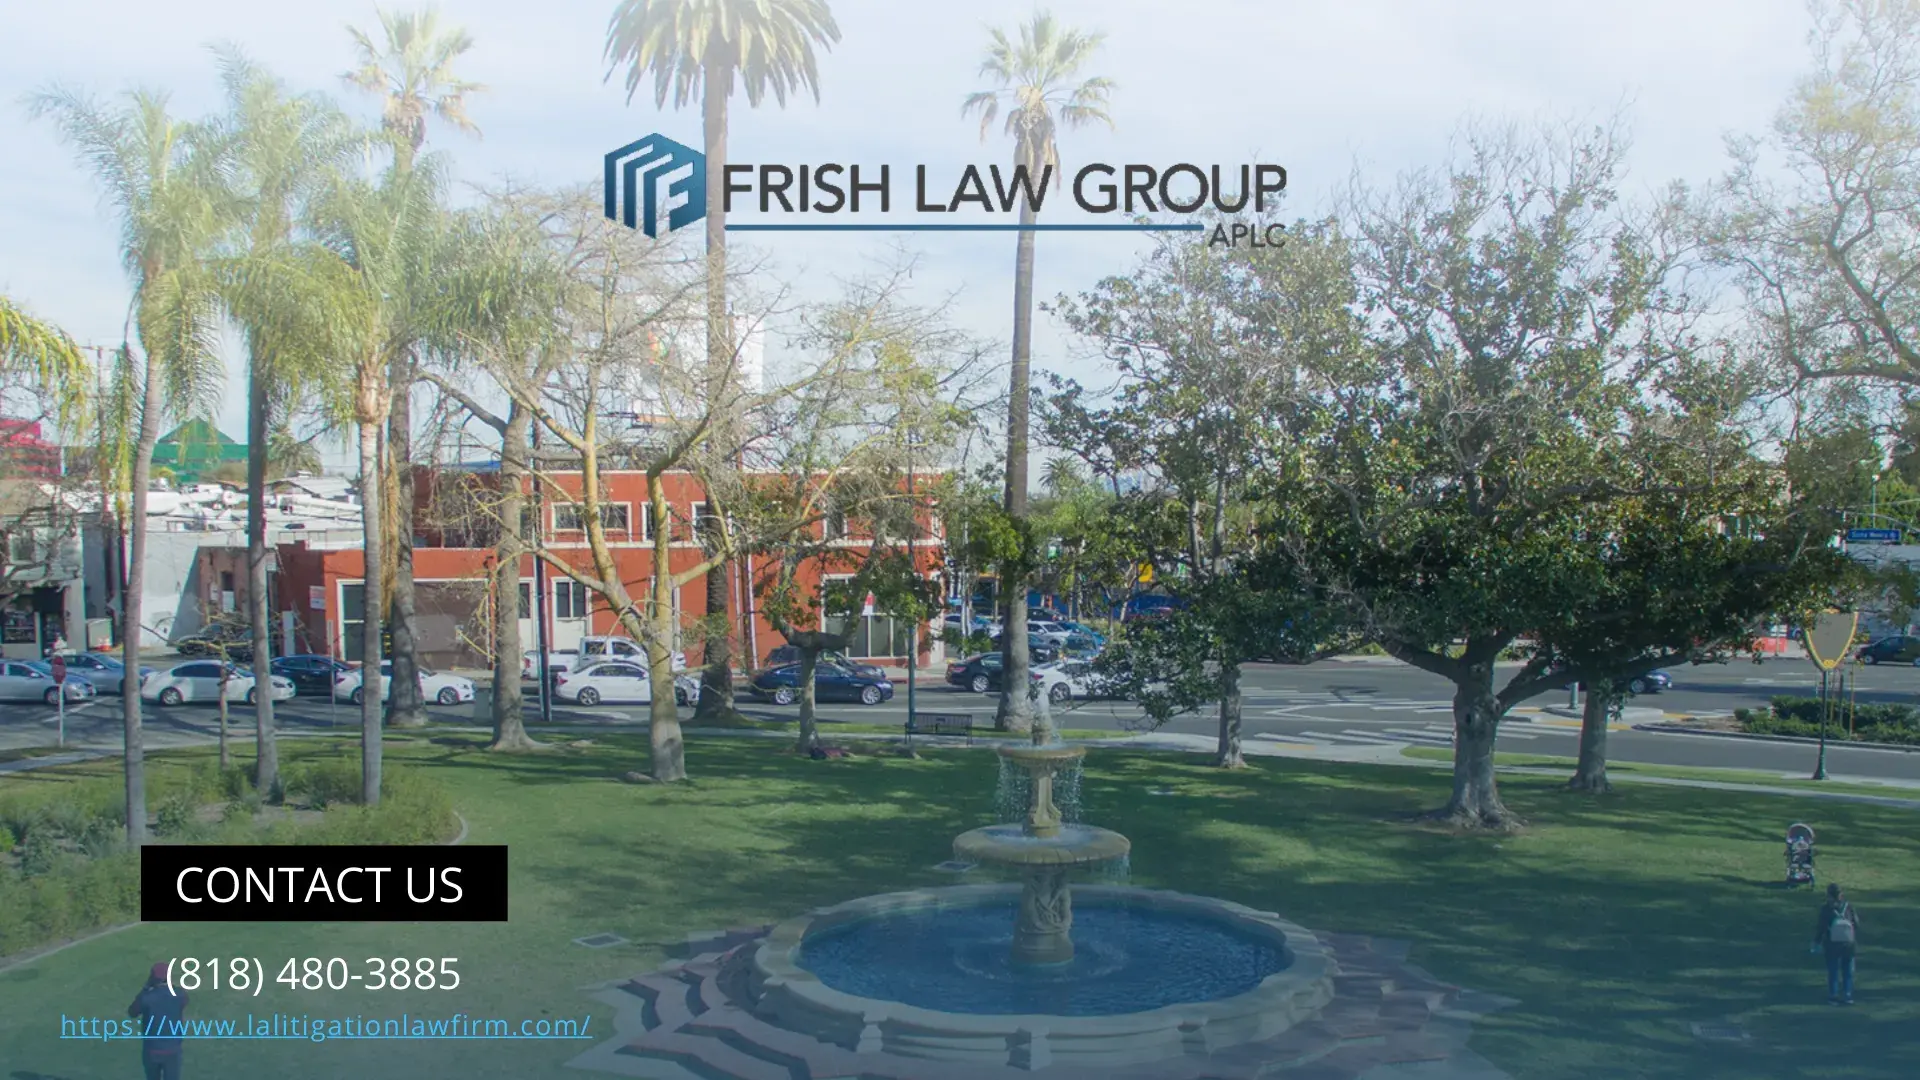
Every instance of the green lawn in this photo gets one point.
(1614, 922)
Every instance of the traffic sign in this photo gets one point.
(1873, 536)
(1828, 638)
(59, 665)
(866, 609)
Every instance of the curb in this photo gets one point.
(1801, 740)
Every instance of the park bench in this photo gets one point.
(956, 724)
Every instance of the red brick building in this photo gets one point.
(321, 585)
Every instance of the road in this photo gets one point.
(1334, 702)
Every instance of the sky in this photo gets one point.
(1325, 89)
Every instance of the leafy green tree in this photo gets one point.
(1210, 345)
(413, 71)
(161, 188)
(1450, 458)
(1037, 83)
(701, 48)
(276, 149)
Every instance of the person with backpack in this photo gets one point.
(1838, 931)
(158, 1008)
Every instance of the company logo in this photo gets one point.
(660, 175)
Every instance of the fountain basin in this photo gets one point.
(1254, 1005)
(1012, 845)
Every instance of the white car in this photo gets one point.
(1071, 680)
(1050, 632)
(439, 688)
(592, 650)
(199, 680)
(23, 681)
(619, 682)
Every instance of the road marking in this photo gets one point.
(1338, 739)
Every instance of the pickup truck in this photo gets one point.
(592, 650)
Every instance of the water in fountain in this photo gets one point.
(1013, 793)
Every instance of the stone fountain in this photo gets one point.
(1044, 852)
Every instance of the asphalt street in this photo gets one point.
(1329, 703)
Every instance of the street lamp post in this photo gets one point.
(1820, 766)
(913, 568)
(540, 588)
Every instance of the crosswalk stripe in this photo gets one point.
(1347, 738)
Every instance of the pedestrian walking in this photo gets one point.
(1838, 934)
(158, 1008)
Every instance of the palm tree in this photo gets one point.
(276, 149)
(379, 240)
(412, 71)
(161, 188)
(700, 48)
(44, 354)
(1038, 85)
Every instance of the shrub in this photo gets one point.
(413, 809)
(175, 815)
(6, 839)
(328, 782)
(77, 896)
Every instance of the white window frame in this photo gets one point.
(580, 521)
(574, 589)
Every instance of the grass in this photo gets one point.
(1613, 921)
(1673, 772)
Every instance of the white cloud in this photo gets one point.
(1313, 86)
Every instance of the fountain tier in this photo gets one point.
(1043, 850)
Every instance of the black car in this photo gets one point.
(309, 674)
(1039, 649)
(790, 654)
(1898, 649)
(979, 674)
(831, 682)
(231, 641)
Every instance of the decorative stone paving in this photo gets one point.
(1387, 1020)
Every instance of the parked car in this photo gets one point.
(1896, 649)
(309, 674)
(558, 660)
(788, 654)
(1039, 649)
(976, 673)
(105, 673)
(619, 682)
(831, 682)
(1653, 682)
(1052, 633)
(592, 649)
(437, 687)
(1084, 630)
(981, 624)
(199, 681)
(32, 680)
(1073, 680)
(215, 641)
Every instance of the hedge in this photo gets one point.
(70, 872)
(1798, 716)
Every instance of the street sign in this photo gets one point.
(1873, 536)
(59, 665)
(867, 608)
(1829, 637)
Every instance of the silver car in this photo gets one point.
(32, 680)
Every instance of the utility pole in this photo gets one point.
(540, 587)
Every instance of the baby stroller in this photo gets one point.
(1799, 855)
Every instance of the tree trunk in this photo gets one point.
(225, 759)
(665, 742)
(716, 677)
(266, 750)
(404, 706)
(509, 716)
(1016, 710)
(1476, 721)
(1229, 755)
(370, 529)
(809, 728)
(1590, 775)
(131, 626)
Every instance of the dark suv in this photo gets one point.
(1898, 649)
